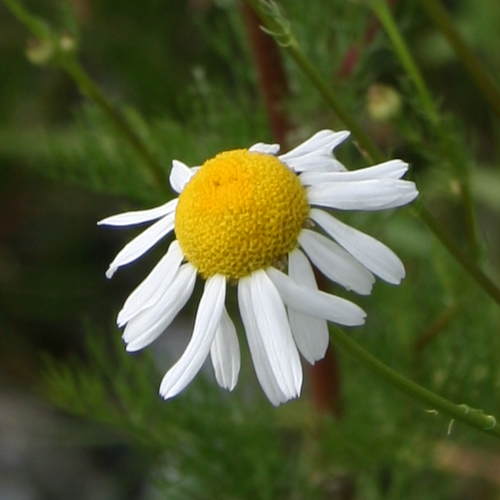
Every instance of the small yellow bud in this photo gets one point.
(67, 43)
(39, 52)
(383, 102)
(455, 187)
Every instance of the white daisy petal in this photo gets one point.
(377, 194)
(373, 254)
(273, 326)
(153, 287)
(335, 263)
(262, 147)
(180, 174)
(139, 216)
(324, 139)
(260, 360)
(310, 333)
(317, 163)
(206, 324)
(393, 169)
(142, 243)
(150, 323)
(315, 302)
(225, 353)
(316, 153)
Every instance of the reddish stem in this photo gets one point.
(273, 85)
(353, 54)
(326, 384)
(272, 80)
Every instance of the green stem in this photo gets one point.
(89, 88)
(365, 143)
(470, 416)
(479, 276)
(38, 27)
(446, 142)
(483, 80)
(278, 27)
(384, 14)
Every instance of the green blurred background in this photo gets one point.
(79, 418)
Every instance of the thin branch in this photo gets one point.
(436, 327)
(484, 81)
(271, 75)
(447, 145)
(430, 400)
(66, 60)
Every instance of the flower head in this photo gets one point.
(240, 218)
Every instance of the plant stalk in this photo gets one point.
(90, 89)
(364, 142)
(471, 416)
(67, 61)
(474, 271)
(483, 80)
(447, 146)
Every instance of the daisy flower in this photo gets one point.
(243, 218)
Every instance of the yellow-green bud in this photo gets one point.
(383, 102)
(39, 52)
(67, 43)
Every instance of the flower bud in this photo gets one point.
(39, 52)
(383, 102)
(67, 43)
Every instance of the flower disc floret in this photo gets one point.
(242, 211)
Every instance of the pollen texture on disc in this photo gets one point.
(242, 211)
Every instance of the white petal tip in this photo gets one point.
(396, 279)
(355, 316)
(163, 395)
(120, 321)
(261, 147)
(167, 392)
(361, 320)
(105, 221)
(229, 387)
(365, 291)
(110, 272)
(134, 347)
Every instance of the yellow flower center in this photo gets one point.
(242, 211)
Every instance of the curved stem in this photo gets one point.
(384, 14)
(67, 62)
(447, 144)
(277, 26)
(484, 81)
(479, 276)
(38, 27)
(471, 416)
(364, 142)
(89, 89)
